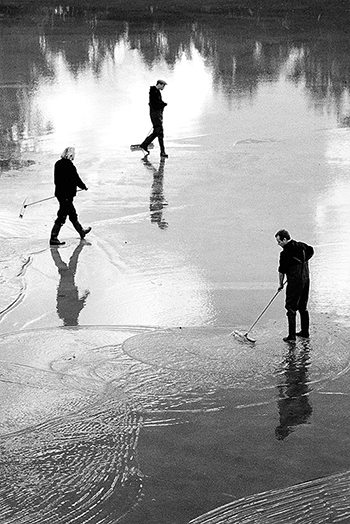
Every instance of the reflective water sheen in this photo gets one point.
(124, 396)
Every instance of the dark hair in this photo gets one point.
(282, 234)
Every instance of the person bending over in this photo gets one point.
(293, 264)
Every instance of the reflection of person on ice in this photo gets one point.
(294, 264)
(69, 303)
(156, 106)
(66, 182)
(157, 199)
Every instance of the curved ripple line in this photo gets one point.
(80, 469)
(313, 502)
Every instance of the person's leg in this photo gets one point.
(304, 314)
(148, 141)
(73, 217)
(157, 121)
(154, 116)
(161, 145)
(291, 315)
(293, 291)
(60, 220)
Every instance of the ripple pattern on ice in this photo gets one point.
(78, 469)
(215, 355)
(68, 451)
(317, 502)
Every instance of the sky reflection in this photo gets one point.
(266, 109)
(90, 87)
(109, 110)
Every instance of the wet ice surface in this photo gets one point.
(123, 392)
(85, 426)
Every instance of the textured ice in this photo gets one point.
(317, 502)
(215, 355)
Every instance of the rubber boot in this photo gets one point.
(54, 235)
(304, 324)
(82, 232)
(291, 327)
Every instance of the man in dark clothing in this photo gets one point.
(294, 265)
(66, 180)
(156, 106)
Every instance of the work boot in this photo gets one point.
(144, 149)
(85, 232)
(289, 339)
(56, 242)
(304, 324)
(291, 327)
(82, 232)
(54, 235)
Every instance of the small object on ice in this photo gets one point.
(137, 147)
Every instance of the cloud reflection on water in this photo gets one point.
(74, 73)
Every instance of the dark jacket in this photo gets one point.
(155, 99)
(293, 259)
(66, 179)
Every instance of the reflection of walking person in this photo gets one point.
(69, 304)
(294, 264)
(293, 404)
(66, 182)
(157, 199)
(156, 106)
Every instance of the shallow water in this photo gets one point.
(124, 392)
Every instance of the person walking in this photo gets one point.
(156, 106)
(67, 180)
(293, 264)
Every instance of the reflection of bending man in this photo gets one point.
(293, 404)
(157, 199)
(69, 304)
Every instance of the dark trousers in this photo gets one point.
(158, 131)
(297, 295)
(65, 210)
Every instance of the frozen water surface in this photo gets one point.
(124, 396)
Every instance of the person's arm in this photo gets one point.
(281, 281)
(155, 99)
(78, 180)
(281, 270)
(309, 251)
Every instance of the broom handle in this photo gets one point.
(263, 311)
(43, 200)
(37, 201)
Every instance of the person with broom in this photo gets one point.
(156, 107)
(293, 264)
(67, 180)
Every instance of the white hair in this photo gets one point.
(69, 153)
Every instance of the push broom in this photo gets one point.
(245, 336)
(24, 205)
